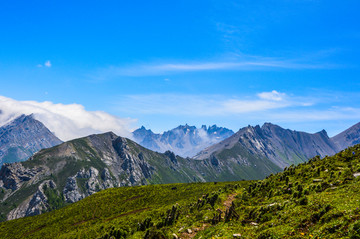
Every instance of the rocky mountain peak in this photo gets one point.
(348, 137)
(22, 137)
(281, 146)
(323, 133)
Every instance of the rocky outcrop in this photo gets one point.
(134, 166)
(12, 176)
(35, 204)
(71, 191)
(22, 137)
(107, 180)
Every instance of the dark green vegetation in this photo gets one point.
(317, 199)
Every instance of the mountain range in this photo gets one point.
(283, 147)
(78, 168)
(73, 170)
(22, 137)
(183, 140)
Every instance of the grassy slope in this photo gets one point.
(318, 199)
(258, 168)
(121, 208)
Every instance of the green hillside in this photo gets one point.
(317, 199)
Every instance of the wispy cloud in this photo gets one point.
(67, 121)
(205, 105)
(312, 115)
(238, 63)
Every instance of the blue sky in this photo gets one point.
(165, 63)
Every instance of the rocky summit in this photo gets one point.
(22, 137)
(183, 140)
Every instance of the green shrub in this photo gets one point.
(303, 201)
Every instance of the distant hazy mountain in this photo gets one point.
(184, 140)
(348, 137)
(78, 168)
(281, 146)
(22, 137)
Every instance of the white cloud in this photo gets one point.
(273, 96)
(47, 64)
(66, 121)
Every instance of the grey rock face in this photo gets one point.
(133, 166)
(184, 140)
(22, 137)
(107, 180)
(35, 204)
(14, 175)
(71, 191)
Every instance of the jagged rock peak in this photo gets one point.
(184, 140)
(323, 132)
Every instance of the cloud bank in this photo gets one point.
(66, 121)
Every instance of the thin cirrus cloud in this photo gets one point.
(205, 105)
(248, 64)
(67, 121)
(331, 113)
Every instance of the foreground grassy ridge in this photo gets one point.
(318, 199)
(117, 210)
